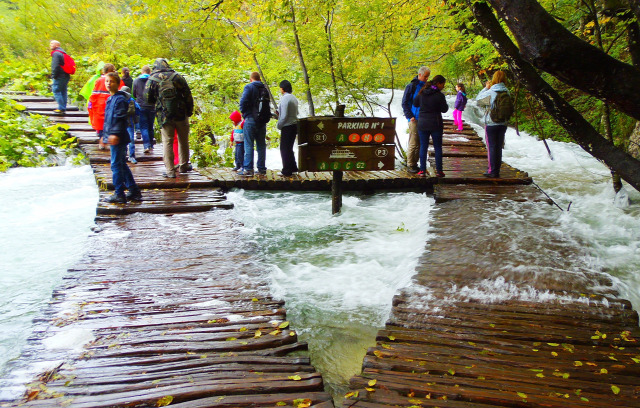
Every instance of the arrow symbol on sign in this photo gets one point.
(380, 165)
(321, 125)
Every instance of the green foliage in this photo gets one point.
(29, 140)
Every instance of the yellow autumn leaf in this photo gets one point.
(283, 325)
(295, 377)
(604, 371)
(281, 404)
(377, 353)
(275, 332)
(371, 383)
(164, 401)
(392, 338)
(254, 299)
(370, 389)
(522, 395)
(258, 334)
(615, 389)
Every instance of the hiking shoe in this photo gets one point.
(59, 112)
(439, 173)
(235, 168)
(244, 172)
(285, 174)
(133, 160)
(134, 195)
(413, 169)
(422, 174)
(117, 199)
(147, 150)
(169, 175)
(491, 175)
(187, 167)
(262, 171)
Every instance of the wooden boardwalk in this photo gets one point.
(483, 327)
(476, 328)
(171, 307)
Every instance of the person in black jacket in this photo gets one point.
(432, 105)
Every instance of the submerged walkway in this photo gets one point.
(169, 309)
(178, 312)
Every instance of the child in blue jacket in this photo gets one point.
(115, 126)
(133, 120)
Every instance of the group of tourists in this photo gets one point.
(120, 106)
(250, 127)
(423, 104)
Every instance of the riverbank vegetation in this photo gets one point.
(333, 53)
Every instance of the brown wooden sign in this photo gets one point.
(328, 130)
(346, 158)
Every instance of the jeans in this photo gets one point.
(122, 177)
(254, 133)
(436, 135)
(132, 143)
(147, 117)
(59, 88)
(239, 154)
(287, 139)
(495, 141)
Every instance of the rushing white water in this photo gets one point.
(45, 218)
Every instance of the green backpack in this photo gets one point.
(502, 108)
(168, 95)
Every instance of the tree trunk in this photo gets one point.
(580, 130)
(550, 47)
(305, 74)
(327, 30)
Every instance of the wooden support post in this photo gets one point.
(336, 192)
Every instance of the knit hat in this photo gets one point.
(235, 117)
(286, 86)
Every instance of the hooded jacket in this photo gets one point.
(184, 99)
(461, 101)
(432, 105)
(116, 115)
(249, 100)
(486, 98)
(98, 102)
(138, 92)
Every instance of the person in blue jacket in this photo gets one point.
(116, 115)
(411, 113)
(131, 125)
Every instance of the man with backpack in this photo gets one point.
(256, 111)
(62, 66)
(170, 93)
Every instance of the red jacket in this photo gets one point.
(97, 103)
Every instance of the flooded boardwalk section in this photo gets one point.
(484, 323)
(169, 306)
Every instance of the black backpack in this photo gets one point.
(131, 110)
(168, 95)
(502, 108)
(263, 105)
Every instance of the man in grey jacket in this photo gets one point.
(288, 125)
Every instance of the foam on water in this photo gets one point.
(46, 215)
(337, 274)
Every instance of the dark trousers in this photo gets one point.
(122, 177)
(436, 135)
(239, 154)
(495, 141)
(287, 139)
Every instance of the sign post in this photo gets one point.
(345, 144)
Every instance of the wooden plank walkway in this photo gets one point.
(173, 309)
(558, 337)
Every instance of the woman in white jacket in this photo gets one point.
(494, 131)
